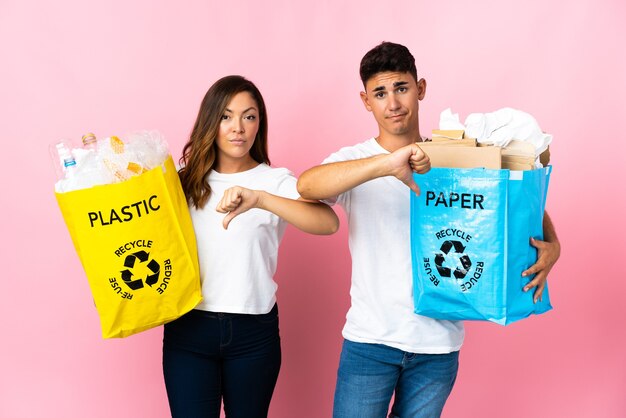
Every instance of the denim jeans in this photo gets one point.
(208, 356)
(369, 374)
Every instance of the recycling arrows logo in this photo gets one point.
(457, 258)
(138, 283)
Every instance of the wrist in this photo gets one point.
(260, 199)
(382, 166)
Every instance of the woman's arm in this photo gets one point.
(312, 217)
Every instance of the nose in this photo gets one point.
(393, 102)
(238, 125)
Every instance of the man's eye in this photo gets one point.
(379, 95)
(402, 89)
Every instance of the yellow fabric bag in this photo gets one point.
(137, 245)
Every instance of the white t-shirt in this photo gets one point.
(237, 265)
(382, 310)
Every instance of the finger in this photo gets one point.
(233, 201)
(232, 195)
(531, 270)
(229, 201)
(421, 161)
(234, 204)
(538, 296)
(221, 206)
(538, 280)
(418, 155)
(412, 185)
(420, 168)
(417, 152)
(537, 243)
(228, 218)
(225, 207)
(534, 269)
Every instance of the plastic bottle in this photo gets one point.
(90, 141)
(68, 160)
(89, 146)
(62, 159)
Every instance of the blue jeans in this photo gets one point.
(369, 374)
(208, 356)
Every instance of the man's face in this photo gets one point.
(393, 98)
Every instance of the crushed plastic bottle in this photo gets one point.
(62, 158)
(109, 160)
(90, 141)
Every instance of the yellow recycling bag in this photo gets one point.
(137, 245)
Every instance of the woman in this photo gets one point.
(229, 346)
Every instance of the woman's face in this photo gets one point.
(238, 128)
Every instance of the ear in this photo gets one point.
(365, 101)
(421, 89)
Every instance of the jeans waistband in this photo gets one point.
(211, 314)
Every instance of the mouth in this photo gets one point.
(396, 117)
(237, 141)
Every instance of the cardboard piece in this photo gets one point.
(517, 163)
(449, 134)
(517, 155)
(520, 148)
(465, 142)
(462, 157)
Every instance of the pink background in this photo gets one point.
(69, 67)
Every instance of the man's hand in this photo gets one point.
(547, 255)
(406, 160)
(236, 201)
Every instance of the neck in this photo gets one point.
(394, 142)
(228, 166)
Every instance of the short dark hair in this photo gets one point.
(387, 57)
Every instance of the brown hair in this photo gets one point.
(199, 153)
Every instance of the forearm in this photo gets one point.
(549, 233)
(330, 180)
(312, 217)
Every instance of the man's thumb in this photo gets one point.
(412, 185)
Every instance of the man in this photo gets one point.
(388, 349)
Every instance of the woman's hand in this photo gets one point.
(236, 201)
(309, 216)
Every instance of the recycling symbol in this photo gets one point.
(129, 263)
(457, 258)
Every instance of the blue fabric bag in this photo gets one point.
(470, 239)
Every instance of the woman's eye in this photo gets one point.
(250, 117)
(225, 117)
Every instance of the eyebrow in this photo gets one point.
(247, 110)
(396, 84)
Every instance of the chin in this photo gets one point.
(399, 130)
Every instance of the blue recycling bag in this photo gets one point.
(470, 243)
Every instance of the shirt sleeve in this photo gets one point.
(286, 184)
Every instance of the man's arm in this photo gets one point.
(330, 180)
(548, 252)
